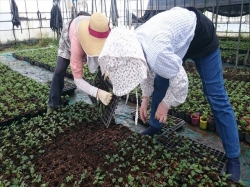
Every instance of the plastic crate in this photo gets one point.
(178, 122)
(109, 110)
(174, 141)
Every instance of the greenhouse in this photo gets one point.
(129, 106)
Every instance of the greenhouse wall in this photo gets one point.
(32, 27)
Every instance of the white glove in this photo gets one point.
(86, 87)
(104, 96)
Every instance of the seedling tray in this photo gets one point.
(175, 142)
(69, 88)
(107, 111)
(177, 122)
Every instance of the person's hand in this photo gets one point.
(161, 113)
(106, 75)
(143, 109)
(104, 96)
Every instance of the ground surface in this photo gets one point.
(122, 117)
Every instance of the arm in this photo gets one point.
(76, 64)
(169, 66)
(178, 89)
(147, 85)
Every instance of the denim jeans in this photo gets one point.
(210, 71)
(58, 82)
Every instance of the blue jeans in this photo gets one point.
(210, 71)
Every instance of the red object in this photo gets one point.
(98, 34)
(195, 118)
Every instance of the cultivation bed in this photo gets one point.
(201, 153)
(19, 97)
(71, 147)
(68, 89)
(172, 124)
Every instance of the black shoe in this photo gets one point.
(233, 168)
(151, 131)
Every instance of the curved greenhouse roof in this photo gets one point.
(230, 8)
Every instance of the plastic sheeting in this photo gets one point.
(227, 8)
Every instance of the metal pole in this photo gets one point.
(246, 57)
(213, 13)
(217, 11)
(27, 19)
(137, 13)
(66, 9)
(40, 18)
(228, 17)
(237, 54)
(105, 8)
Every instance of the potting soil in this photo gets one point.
(123, 112)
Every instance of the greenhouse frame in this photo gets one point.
(85, 143)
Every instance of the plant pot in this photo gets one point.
(241, 136)
(247, 138)
(187, 118)
(195, 119)
(203, 123)
(175, 113)
(182, 115)
(211, 126)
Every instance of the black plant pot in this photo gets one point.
(187, 118)
(182, 115)
(175, 113)
(170, 111)
(247, 138)
(241, 136)
(211, 126)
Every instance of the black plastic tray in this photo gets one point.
(69, 88)
(174, 141)
(109, 110)
(132, 98)
(179, 122)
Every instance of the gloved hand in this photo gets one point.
(143, 109)
(104, 96)
(106, 75)
(161, 112)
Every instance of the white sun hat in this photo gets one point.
(123, 58)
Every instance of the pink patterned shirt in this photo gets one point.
(78, 56)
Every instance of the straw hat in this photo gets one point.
(92, 33)
(123, 58)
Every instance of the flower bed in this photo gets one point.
(18, 96)
(70, 147)
(47, 58)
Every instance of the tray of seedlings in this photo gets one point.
(194, 151)
(106, 112)
(172, 123)
(68, 89)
